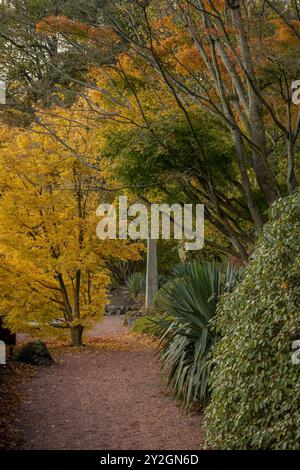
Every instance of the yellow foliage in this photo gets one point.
(52, 265)
(284, 35)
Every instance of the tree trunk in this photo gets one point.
(76, 335)
(264, 176)
(291, 176)
(151, 278)
(254, 211)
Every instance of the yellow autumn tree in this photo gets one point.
(53, 269)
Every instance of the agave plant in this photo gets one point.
(186, 333)
(135, 286)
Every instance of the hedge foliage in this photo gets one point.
(255, 387)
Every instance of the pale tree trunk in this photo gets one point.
(252, 121)
(263, 173)
(76, 335)
(214, 69)
(151, 277)
(256, 215)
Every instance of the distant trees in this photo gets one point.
(165, 75)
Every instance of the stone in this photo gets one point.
(115, 309)
(35, 353)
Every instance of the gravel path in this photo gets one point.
(104, 399)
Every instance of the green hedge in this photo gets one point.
(255, 387)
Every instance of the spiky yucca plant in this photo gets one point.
(135, 286)
(185, 332)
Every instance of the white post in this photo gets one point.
(2, 352)
(151, 275)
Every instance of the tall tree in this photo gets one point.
(232, 59)
(54, 266)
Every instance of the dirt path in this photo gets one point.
(104, 399)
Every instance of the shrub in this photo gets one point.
(135, 286)
(255, 387)
(143, 325)
(186, 336)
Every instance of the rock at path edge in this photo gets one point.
(35, 353)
